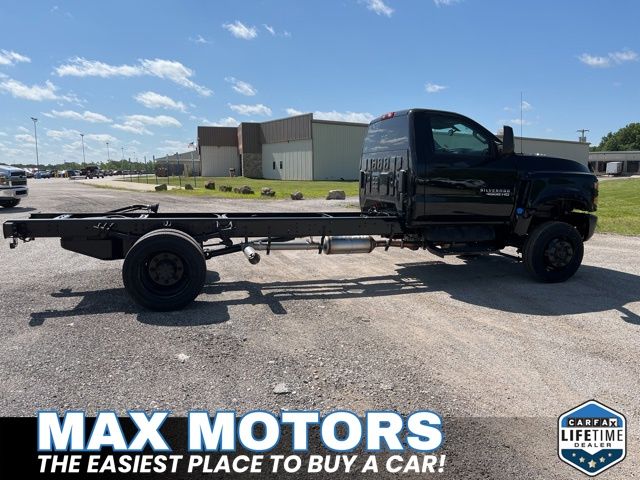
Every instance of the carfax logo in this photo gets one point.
(592, 437)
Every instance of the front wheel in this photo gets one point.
(553, 252)
(164, 270)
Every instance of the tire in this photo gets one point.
(164, 270)
(553, 252)
(10, 203)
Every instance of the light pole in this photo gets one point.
(84, 160)
(35, 134)
(108, 156)
(122, 163)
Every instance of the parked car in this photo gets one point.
(42, 174)
(92, 171)
(13, 186)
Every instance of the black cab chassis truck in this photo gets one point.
(429, 180)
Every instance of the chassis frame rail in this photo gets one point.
(127, 226)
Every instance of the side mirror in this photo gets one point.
(508, 144)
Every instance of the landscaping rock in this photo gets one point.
(281, 389)
(336, 195)
(225, 188)
(188, 186)
(161, 188)
(267, 192)
(297, 196)
(245, 190)
(210, 185)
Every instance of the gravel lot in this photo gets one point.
(396, 330)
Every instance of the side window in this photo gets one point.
(453, 136)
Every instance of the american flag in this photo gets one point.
(191, 145)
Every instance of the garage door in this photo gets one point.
(216, 161)
(288, 160)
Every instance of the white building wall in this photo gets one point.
(216, 161)
(576, 151)
(336, 150)
(293, 160)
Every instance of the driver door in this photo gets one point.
(466, 178)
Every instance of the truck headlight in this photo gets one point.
(3, 180)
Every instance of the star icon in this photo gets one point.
(592, 464)
(581, 459)
(610, 454)
(573, 454)
(602, 459)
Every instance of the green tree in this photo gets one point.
(627, 138)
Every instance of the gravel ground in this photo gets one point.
(498, 355)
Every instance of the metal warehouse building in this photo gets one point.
(630, 161)
(294, 148)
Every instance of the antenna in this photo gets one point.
(521, 141)
(583, 137)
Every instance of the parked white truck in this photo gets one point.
(13, 186)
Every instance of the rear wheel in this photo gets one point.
(10, 203)
(553, 252)
(164, 270)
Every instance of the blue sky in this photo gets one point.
(143, 75)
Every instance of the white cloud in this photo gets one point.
(81, 67)
(176, 72)
(292, 112)
(36, 93)
(166, 69)
(354, 117)
(243, 88)
(86, 116)
(136, 128)
(10, 58)
(594, 61)
(275, 33)
(137, 124)
(159, 120)
(24, 138)
(240, 30)
(434, 87)
(517, 121)
(269, 29)
(445, 3)
(624, 56)
(3, 134)
(379, 7)
(155, 100)
(612, 58)
(100, 137)
(199, 39)
(526, 106)
(65, 133)
(226, 122)
(257, 109)
(23, 129)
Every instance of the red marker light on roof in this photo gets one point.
(387, 116)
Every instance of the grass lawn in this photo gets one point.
(619, 206)
(283, 188)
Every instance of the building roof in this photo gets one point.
(182, 157)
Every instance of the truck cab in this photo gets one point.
(462, 190)
(13, 186)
